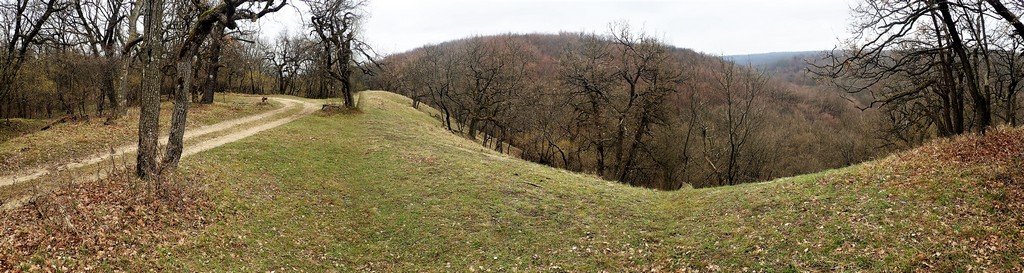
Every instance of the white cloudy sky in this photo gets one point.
(710, 26)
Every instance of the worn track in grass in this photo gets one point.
(250, 125)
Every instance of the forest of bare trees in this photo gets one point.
(936, 68)
(627, 107)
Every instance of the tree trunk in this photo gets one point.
(149, 96)
(125, 63)
(1010, 18)
(175, 140)
(213, 65)
(982, 109)
(472, 128)
(447, 118)
(627, 166)
(345, 58)
(600, 159)
(620, 135)
(108, 86)
(101, 98)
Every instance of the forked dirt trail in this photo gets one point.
(249, 126)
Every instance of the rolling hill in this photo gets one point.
(388, 189)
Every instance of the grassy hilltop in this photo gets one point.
(388, 189)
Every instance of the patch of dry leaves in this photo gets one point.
(999, 146)
(106, 225)
(988, 169)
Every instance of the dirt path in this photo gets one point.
(191, 148)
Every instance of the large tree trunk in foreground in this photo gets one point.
(149, 96)
(186, 56)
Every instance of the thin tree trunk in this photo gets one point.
(175, 141)
(346, 71)
(109, 86)
(472, 128)
(600, 159)
(125, 63)
(631, 154)
(448, 118)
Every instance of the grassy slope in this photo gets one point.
(389, 189)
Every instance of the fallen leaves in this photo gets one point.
(114, 223)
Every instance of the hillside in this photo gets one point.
(690, 143)
(389, 189)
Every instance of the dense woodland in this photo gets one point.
(621, 104)
(628, 107)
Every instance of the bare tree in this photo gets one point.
(99, 23)
(131, 41)
(619, 84)
(24, 25)
(647, 76)
(586, 69)
(225, 15)
(494, 71)
(213, 64)
(284, 59)
(1007, 15)
(939, 65)
(728, 131)
(336, 24)
(439, 76)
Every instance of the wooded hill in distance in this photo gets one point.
(769, 59)
(630, 108)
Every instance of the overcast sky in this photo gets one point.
(724, 27)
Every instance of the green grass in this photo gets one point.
(389, 189)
